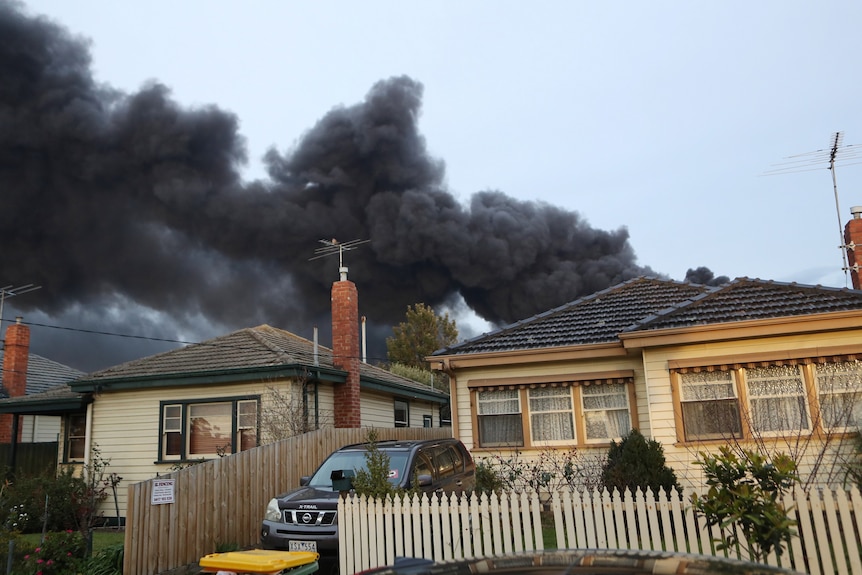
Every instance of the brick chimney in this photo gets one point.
(16, 354)
(853, 241)
(345, 350)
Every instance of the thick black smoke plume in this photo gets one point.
(130, 212)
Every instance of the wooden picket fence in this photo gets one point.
(222, 501)
(375, 532)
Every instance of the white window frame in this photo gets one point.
(749, 379)
(239, 422)
(489, 400)
(555, 393)
(707, 379)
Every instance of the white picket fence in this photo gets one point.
(374, 532)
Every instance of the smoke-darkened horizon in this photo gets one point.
(130, 211)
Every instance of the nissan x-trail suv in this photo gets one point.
(305, 518)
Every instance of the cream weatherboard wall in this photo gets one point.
(681, 455)
(39, 428)
(463, 420)
(125, 424)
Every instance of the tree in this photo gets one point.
(636, 462)
(421, 334)
(744, 500)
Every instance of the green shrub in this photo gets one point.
(108, 561)
(373, 481)
(744, 500)
(27, 500)
(60, 553)
(487, 479)
(637, 463)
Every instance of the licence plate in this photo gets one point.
(302, 546)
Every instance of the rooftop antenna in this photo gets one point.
(817, 160)
(333, 246)
(11, 291)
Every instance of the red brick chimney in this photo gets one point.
(345, 350)
(853, 241)
(16, 354)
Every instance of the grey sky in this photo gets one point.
(660, 117)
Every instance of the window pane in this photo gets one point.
(777, 396)
(76, 437)
(500, 418)
(606, 411)
(710, 409)
(173, 443)
(500, 430)
(209, 428)
(401, 414)
(840, 387)
(551, 414)
(246, 414)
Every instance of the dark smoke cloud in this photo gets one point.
(130, 212)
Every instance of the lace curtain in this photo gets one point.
(499, 414)
(551, 414)
(710, 409)
(606, 411)
(840, 387)
(777, 397)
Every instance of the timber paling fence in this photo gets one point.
(374, 532)
(222, 501)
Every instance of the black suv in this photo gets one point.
(305, 518)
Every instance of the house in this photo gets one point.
(229, 394)
(27, 374)
(752, 363)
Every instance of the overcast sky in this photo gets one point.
(658, 117)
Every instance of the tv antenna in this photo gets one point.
(333, 246)
(825, 158)
(11, 291)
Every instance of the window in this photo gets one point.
(710, 408)
(840, 387)
(582, 412)
(402, 413)
(499, 414)
(777, 398)
(606, 411)
(76, 437)
(761, 400)
(208, 428)
(551, 414)
(427, 421)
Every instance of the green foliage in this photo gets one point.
(637, 463)
(373, 481)
(744, 500)
(60, 553)
(434, 379)
(27, 500)
(107, 561)
(421, 334)
(487, 479)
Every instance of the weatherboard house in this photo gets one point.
(751, 363)
(229, 394)
(28, 374)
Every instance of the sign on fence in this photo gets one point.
(163, 491)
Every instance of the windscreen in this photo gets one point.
(354, 461)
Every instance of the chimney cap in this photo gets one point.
(856, 211)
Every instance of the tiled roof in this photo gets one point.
(246, 349)
(43, 373)
(597, 318)
(651, 304)
(751, 299)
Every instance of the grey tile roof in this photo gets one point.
(651, 304)
(751, 299)
(597, 318)
(246, 349)
(43, 373)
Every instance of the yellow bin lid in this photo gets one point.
(257, 560)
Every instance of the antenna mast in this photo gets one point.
(10, 291)
(333, 246)
(814, 161)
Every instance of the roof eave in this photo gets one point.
(403, 390)
(541, 355)
(53, 406)
(238, 375)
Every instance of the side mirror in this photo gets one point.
(303, 481)
(425, 480)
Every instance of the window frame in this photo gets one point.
(574, 382)
(185, 422)
(811, 396)
(405, 407)
(68, 438)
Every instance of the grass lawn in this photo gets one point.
(101, 539)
